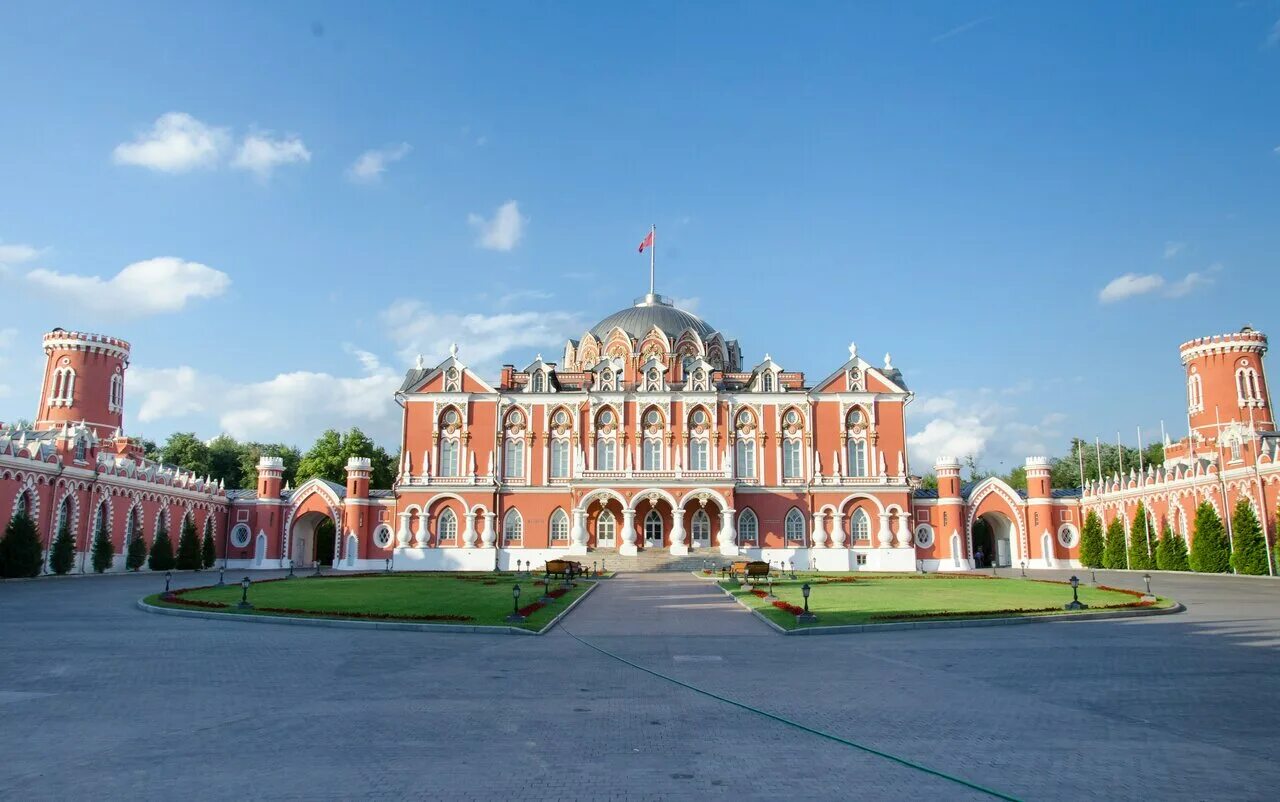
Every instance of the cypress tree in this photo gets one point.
(136, 554)
(1171, 554)
(208, 555)
(103, 550)
(188, 547)
(1091, 541)
(1113, 553)
(1141, 541)
(1249, 552)
(62, 556)
(161, 556)
(1210, 553)
(20, 548)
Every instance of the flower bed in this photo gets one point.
(786, 607)
(1006, 612)
(530, 609)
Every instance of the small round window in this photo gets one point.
(744, 418)
(606, 417)
(240, 536)
(451, 417)
(792, 417)
(652, 417)
(855, 417)
(382, 537)
(699, 417)
(561, 417)
(924, 536)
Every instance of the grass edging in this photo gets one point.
(351, 623)
(950, 623)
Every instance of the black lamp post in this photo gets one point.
(220, 572)
(1075, 603)
(317, 573)
(1024, 567)
(244, 595)
(547, 598)
(602, 566)
(806, 617)
(770, 597)
(1147, 578)
(515, 616)
(518, 564)
(1093, 577)
(594, 571)
(387, 569)
(793, 569)
(291, 568)
(167, 593)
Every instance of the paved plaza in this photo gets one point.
(99, 700)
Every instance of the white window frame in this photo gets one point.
(748, 527)
(447, 525)
(513, 527)
(793, 527)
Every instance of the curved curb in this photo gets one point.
(343, 623)
(955, 623)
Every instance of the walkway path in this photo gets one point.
(100, 701)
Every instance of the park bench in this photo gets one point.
(565, 569)
(754, 572)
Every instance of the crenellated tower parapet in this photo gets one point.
(83, 382)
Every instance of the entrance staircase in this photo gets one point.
(656, 559)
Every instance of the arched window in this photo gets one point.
(606, 529)
(559, 459)
(447, 526)
(539, 382)
(791, 467)
(651, 457)
(653, 527)
(606, 454)
(1195, 400)
(23, 505)
(452, 381)
(860, 526)
(654, 379)
(448, 462)
(794, 526)
(64, 516)
(102, 521)
(513, 459)
(116, 401)
(700, 527)
(766, 383)
(857, 459)
(748, 527)
(64, 386)
(698, 454)
(82, 449)
(512, 528)
(559, 526)
(745, 460)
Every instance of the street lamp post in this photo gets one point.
(770, 597)
(515, 617)
(1024, 567)
(220, 573)
(167, 595)
(387, 568)
(1147, 578)
(1075, 603)
(806, 617)
(547, 598)
(244, 595)
(291, 568)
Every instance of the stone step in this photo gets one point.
(663, 560)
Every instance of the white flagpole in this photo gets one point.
(1255, 452)
(1146, 513)
(653, 245)
(1222, 481)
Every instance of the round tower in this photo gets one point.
(1225, 382)
(1038, 488)
(270, 472)
(358, 471)
(83, 381)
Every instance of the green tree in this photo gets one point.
(1091, 542)
(62, 556)
(1017, 478)
(1113, 553)
(1142, 541)
(208, 552)
(250, 454)
(1171, 554)
(103, 550)
(188, 546)
(20, 548)
(929, 482)
(1210, 552)
(186, 451)
(1249, 549)
(161, 556)
(136, 554)
(225, 464)
(327, 458)
(1065, 471)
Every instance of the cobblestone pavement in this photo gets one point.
(99, 700)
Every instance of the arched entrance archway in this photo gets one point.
(993, 538)
(312, 540)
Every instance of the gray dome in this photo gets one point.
(649, 311)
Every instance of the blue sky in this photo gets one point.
(957, 183)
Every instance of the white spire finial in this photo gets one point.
(418, 364)
(888, 361)
(767, 358)
(853, 350)
(453, 350)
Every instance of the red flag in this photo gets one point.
(647, 242)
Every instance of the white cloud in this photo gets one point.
(293, 407)
(523, 295)
(503, 231)
(1133, 284)
(976, 422)
(1172, 249)
(16, 253)
(482, 339)
(1129, 285)
(687, 304)
(261, 155)
(7, 339)
(176, 143)
(370, 165)
(153, 286)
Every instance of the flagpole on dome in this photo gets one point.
(653, 239)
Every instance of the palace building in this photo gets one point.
(650, 442)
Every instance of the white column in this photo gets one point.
(578, 532)
(728, 536)
(424, 530)
(837, 530)
(819, 530)
(488, 535)
(469, 530)
(904, 530)
(628, 547)
(402, 534)
(678, 546)
(885, 536)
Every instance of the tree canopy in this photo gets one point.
(327, 458)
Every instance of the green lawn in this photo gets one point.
(875, 599)
(479, 598)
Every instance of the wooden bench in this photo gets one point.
(565, 569)
(754, 572)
